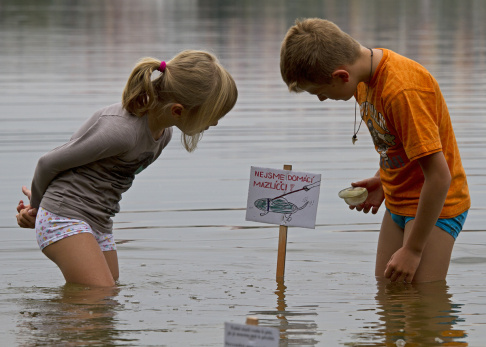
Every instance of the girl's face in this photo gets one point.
(190, 129)
(213, 124)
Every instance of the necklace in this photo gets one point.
(355, 137)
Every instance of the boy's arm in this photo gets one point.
(404, 263)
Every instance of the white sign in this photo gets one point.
(241, 335)
(283, 197)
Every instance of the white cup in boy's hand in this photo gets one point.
(354, 196)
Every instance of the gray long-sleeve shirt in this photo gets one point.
(85, 178)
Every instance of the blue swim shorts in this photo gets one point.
(452, 226)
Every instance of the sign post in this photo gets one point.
(282, 243)
(283, 197)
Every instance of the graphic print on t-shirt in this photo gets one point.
(129, 170)
(376, 124)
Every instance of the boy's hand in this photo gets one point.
(402, 265)
(375, 195)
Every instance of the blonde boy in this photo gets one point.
(421, 177)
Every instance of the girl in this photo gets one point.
(77, 187)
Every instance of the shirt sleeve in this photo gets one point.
(105, 138)
(416, 121)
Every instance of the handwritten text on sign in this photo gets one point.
(283, 197)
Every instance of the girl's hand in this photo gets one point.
(28, 194)
(26, 217)
(402, 265)
(375, 195)
(26, 214)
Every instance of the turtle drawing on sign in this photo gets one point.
(282, 205)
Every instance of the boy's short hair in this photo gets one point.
(312, 50)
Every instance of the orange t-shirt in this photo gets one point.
(408, 119)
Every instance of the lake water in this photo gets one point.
(188, 259)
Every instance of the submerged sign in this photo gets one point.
(283, 197)
(239, 335)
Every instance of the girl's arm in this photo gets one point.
(404, 263)
(103, 139)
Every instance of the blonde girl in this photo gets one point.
(77, 187)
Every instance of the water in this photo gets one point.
(189, 261)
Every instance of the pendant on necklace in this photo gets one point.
(354, 139)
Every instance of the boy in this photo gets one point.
(421, 177)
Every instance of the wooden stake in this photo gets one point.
(251, 320)
(282, 244)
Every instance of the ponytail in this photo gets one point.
(139, 96)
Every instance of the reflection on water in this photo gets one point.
(419, 314)
(294, 329)
(71, 315)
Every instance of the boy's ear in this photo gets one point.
(176, 111)
(342, 74)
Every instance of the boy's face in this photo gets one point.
(337, 90)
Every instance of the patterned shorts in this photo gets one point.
(50, 227)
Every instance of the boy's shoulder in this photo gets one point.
(398, 72)
(402, 62)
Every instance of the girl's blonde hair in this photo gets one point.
(312, 50)
(194, 79)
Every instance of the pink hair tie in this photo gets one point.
(162, 66)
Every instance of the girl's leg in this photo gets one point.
(81, 260)
(389, 241)
(111, 258)
(436, 255)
